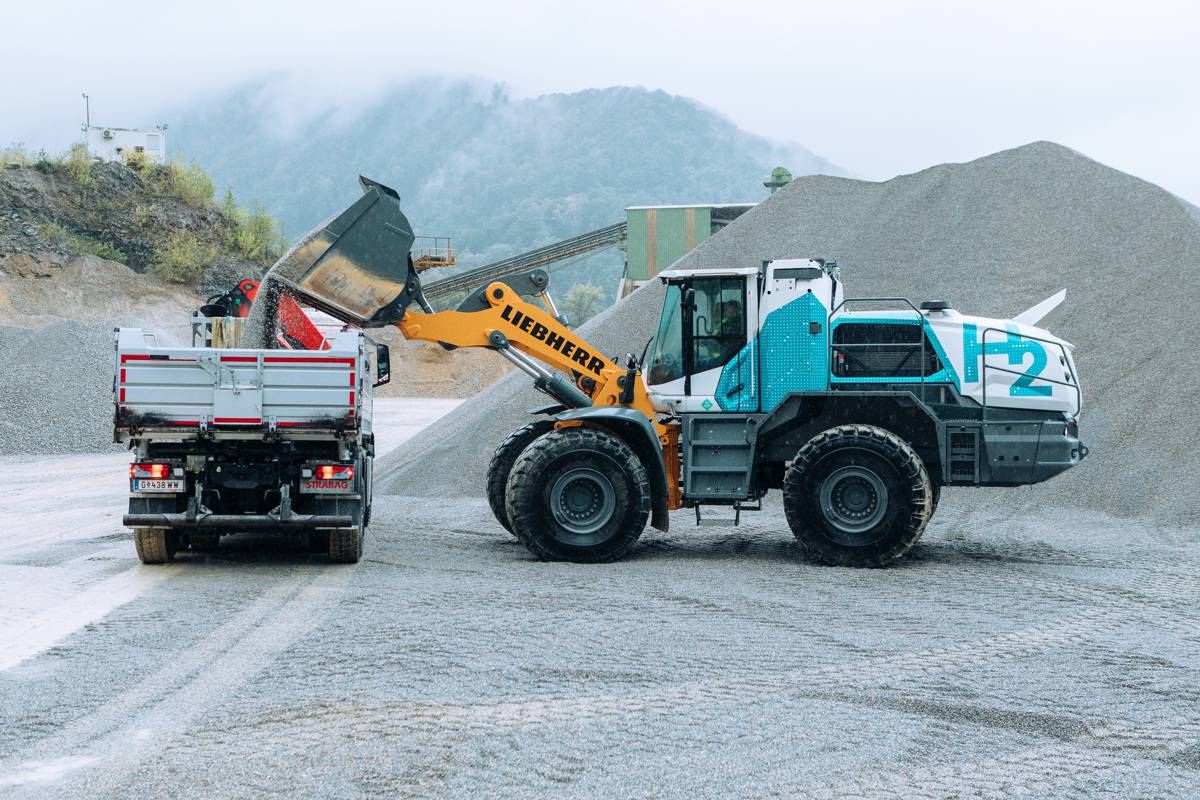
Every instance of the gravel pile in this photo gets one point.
(994, 236)
(57, 392)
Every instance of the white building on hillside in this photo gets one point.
(115, 144)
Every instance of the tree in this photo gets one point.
(582, 302)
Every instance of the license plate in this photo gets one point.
(146, 485)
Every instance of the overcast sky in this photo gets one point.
(879, 88)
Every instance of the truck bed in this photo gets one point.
(187, 389)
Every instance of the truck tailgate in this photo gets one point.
(172, 387)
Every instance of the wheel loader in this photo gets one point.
(767, 378)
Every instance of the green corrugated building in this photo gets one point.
(658, 236)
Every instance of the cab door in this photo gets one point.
(703, 343)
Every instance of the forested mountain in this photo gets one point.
(496, 173)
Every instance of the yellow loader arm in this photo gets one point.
(509, 323)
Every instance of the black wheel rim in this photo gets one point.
(853, 501)
(582, 501)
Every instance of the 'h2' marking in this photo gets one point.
(1015, 347)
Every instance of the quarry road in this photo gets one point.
(65, 558)
(1011, 657)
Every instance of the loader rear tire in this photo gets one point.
(502, 463)
(155, 545)
(346, 545)
(857, 496)
(578, 494)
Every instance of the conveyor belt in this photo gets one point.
(608, 236)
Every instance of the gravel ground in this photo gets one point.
(994, 236)
(57, 393)
(1010, 658)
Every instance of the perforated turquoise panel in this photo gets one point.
(737, 390)
(793, 359)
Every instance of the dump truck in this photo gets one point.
(759, 379)
(230, 440)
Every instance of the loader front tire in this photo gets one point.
(857, 496)
(502, 463)
(155, 545)
(578, 494)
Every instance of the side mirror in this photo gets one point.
(383, 364)
(689, 298)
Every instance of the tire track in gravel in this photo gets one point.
(98, 751)
(1046, 771)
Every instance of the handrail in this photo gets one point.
(1074, 384)
(918, 321)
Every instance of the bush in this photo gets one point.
(136, 159)
(183, 257)
(79, 164)
(255, 235)
(16, 154)
(191, 184)
(78, 245)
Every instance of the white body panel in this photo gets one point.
(1024, 366)
(184, 388)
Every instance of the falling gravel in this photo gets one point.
(994, 236)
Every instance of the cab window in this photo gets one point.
(667, 363)
(718, 321)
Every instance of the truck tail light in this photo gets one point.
(152, 471)
(334, 472)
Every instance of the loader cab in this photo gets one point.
(708, 319)
(709, 351)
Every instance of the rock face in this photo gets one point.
(49, 216)
(994, 236)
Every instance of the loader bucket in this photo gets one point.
(357, 265)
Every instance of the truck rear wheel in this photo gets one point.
(155, 545)
(502, 463)
(578, 494)
(857, 496)
(346, 545)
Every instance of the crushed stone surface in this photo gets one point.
(1010, 657)
(993, 236)
(58, 393)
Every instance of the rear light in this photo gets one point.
(151, 471)
(335, 472)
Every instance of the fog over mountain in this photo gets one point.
(498, 174)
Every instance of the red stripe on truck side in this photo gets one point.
(252, 359)
(122, 393)
(237, 420)
(352, 399)
(146, 357)
(351, 378)
(122, 374)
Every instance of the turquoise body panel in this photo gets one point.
(793, 359)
